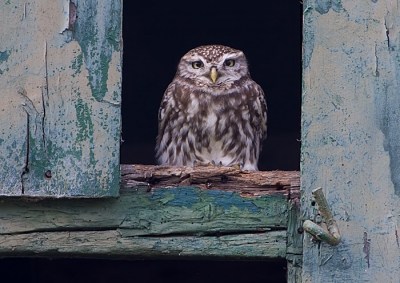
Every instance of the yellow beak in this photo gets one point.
(214, 74)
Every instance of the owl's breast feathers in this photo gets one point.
(196, 125)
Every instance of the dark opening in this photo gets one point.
(158, 33)
(109, 271)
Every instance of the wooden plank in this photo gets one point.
(110, 244)
(60, 77)
(294, 242)
(148, 221)
(182, 210)
(224, 178)
(350, 137)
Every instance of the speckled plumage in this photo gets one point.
(221, 121)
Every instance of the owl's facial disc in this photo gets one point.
(213, 74)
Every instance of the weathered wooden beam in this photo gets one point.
(221, 178)
(294, 243)
(111, 244)
(219, 222)
(183, 210)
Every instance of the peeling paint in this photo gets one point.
(50, 121)
(3, 58)
(98, 42)
(188, 197)
(323, 6)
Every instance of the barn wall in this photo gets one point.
(350, 137)
(60, 82)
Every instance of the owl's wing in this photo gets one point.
(166, 112)
(166, 106)
(261, 108)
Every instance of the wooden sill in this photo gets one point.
(247, 183)
(164, 212)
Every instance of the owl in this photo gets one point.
(212, 112)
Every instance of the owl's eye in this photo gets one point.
(197, 64)
(229, 63)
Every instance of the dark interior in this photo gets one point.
(156, 34)
(151, 271)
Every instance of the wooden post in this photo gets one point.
(350, 137)
(294, 246)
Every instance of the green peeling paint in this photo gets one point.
(77, 64)
(323, 6)
(167, 198)
(98, 41)
(3, 58)
(84, 121)
(189, 197)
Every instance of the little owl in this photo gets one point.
(212, 112)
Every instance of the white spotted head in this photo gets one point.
(213, 67)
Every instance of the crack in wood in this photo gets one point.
(387, 34)
(169, 235)
(35, 132)
(216, 234)
(25, 170)
(72, 15)
(45, 99)
(366, 248)
(64, 230)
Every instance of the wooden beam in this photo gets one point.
(294, 243)
(182, 210)
(111, 244)
(166, 216)
(221, 178)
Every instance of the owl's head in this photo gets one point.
(214, 67)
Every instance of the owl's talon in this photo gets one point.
(219, 164)
(197, 163)
(237, 166)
